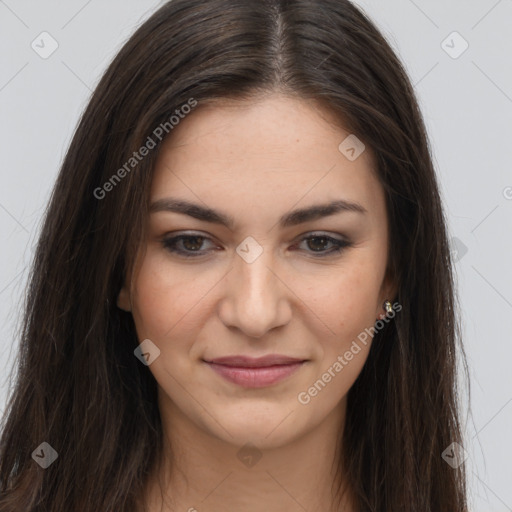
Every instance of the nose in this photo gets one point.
(256, 298)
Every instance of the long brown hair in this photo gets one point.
(78, 385)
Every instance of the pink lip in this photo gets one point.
(255, 372)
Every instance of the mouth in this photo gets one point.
(255, 372)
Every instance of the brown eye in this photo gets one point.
(185, 245)
(317, 243)
(325, 245)
(192, 243)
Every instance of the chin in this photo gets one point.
(265, 428)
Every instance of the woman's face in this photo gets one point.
(261, 284)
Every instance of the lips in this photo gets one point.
(255, 362)
(252, 372)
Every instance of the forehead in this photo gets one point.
(263, 152)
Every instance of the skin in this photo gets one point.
(255, 161)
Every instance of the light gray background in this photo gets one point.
(467, 104)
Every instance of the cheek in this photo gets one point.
(346, 300)
(347, 306)
(163, 299)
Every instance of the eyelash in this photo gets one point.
(171, 242)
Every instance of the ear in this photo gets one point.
(388, 291)
(123, 299)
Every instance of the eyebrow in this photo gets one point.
(292, 218)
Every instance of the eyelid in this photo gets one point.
(306, 234)
(326, 234)
(186, 234)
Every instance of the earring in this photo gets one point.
(388, 307)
